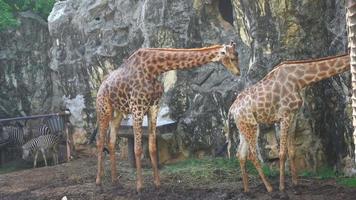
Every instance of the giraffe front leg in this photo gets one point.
(152, 143)
(115, 124)
(285, 124)
(291, 153)
(138, 149)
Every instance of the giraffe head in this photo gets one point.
(229, 57)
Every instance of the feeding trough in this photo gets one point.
(164, 124)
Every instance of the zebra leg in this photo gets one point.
(44, 156)
(35, 162)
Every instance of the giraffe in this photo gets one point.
(276, 99)
(134, 89)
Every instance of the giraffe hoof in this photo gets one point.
(98, 182)
(281, 189)
(270, 189)
(139, 189)
(157, 184)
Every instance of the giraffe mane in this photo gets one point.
(311, 60)
(299, 62)
(182, 49)
(172, 50)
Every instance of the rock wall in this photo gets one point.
(89, 38)
(25, 79)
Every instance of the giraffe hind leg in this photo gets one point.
(115, 124)
(104, 113)
(251, 134)
(242, 155)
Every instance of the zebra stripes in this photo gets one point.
(41, 130)
(42, 143)
(56, 124)
(15, 134)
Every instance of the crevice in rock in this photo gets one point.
(225, 8)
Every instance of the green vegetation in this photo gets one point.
(349, 182)
(10, 8)
(323, 173)
(328, 173)
(205, 170)
(210, 170)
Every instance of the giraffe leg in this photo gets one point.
(251, 133)
(152, 143)
(138, 118)
(242, 155)
(104, 118)
(291, 152)
(285, 124)
(115, 124)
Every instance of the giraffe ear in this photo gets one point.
(233, 44)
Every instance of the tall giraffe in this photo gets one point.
(276, 99)
(134, 88)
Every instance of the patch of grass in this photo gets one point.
(329, 173)
(203, 170)
(322, 173)
(348, 182)
(209, 170)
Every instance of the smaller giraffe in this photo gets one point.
(276, 99)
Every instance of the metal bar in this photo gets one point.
(35, 116)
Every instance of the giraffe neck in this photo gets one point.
(156, 61)
(311, 71)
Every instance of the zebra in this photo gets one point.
(41, 130)
(15, 134)
(41, 143)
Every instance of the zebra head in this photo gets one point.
(25, 153)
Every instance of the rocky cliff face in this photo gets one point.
(90, 38)
(25, 79)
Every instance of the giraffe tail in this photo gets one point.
(228, 134)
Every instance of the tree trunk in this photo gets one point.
(351, 23)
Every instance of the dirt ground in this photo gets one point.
(76, 180)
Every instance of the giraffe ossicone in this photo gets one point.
(134, 89)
